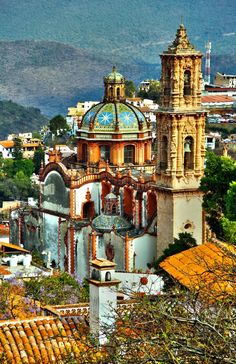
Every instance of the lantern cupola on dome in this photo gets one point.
(114, 84)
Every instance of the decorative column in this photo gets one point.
(94, 244)
(127, 253)
(180, 149)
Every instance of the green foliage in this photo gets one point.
(153, 93)
(231, 202)
(184, 242)
(130, 88)
(38, 159)
(219, 173)
(55, 290)
(229, 229)
(58, 125)
(17, 149)
(15, 180)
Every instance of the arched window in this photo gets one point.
(128, 203)
(118, 93)
(88, 210)
(111, 92)
(187, 83)
(84, 152)
(105, 152)
(129, 154)
(188, 153)
(114, 209)
(164, 146)
(145, 152)
(108, 276)
(151, 205)
(96, 275)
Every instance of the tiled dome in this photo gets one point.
(114, 116)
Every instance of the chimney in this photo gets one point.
(103, 299)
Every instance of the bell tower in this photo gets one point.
(181, 144)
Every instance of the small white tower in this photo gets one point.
(103, 298)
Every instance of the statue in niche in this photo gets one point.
(110, 251)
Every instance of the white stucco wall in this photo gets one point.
(130, 284)
(145, 250)
(82, 258)
(118, 243)
(55, 193)
(188, 211)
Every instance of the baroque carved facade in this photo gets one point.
(180, 140)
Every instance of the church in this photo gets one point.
(111, 199)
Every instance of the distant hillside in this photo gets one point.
(53, 76)
(135, 29)
(60, 56)
(15, 118)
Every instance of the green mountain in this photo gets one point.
(15, 118)
(54, 53)
(138, 29)
(53, 76)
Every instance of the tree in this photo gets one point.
(231, 201)
(229, 229)
(58, 125)
(184, 242)
(38, 159)
(55, 290)
(130, 88)
(219, 173)
(153, 92)
(17, 149)
(13, 303)
(24, 165)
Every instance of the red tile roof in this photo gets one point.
(40, 340)
(207, 268)
(217, 98)
(7, 143)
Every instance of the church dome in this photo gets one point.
(105, 223)
(114, 116)
(114, 76)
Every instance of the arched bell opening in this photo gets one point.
(187, 83)
(188, 153)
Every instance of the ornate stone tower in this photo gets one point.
(180, 140)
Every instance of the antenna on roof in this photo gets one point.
(207, 77)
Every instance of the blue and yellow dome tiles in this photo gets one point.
(117, 116)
